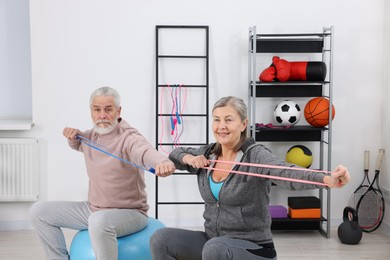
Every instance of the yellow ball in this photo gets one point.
(299, 155)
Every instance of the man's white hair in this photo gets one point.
(107, 92)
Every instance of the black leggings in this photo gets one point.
(172, 243)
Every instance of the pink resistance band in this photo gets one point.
(269, 176)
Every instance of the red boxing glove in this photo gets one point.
(279, 69)
(282, 68)
(268, 75)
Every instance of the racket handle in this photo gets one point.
(366, 160)
(379, 160)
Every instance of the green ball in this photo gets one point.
(299, 155)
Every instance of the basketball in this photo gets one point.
(299, 155)
(316, 112)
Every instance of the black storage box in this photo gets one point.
(305, 202)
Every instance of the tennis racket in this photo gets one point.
(371, 206)
(362, 188)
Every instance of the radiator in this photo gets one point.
(19, 169)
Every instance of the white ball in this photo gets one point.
(287, 113)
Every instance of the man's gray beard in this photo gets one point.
(105, 130)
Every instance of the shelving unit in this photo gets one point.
(319, 44)
(181, 59)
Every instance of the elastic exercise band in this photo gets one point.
(271, 166)
(267, 176)
(88, 142)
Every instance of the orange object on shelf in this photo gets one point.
(304, 213)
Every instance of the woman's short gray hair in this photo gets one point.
(106, 92)
(237, 103)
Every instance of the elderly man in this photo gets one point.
(117, 200)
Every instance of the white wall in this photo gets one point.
(78, 46)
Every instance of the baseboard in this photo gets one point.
(15, 225)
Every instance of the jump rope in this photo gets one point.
(178, 99)
(94, 145)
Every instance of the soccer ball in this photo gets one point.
(287, 113)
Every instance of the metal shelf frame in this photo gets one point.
(308, 43)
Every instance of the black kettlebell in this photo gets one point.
(349, 231)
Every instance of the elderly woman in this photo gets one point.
(237, 221)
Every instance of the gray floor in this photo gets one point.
(23, 245)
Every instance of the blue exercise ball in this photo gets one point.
(133, 246)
